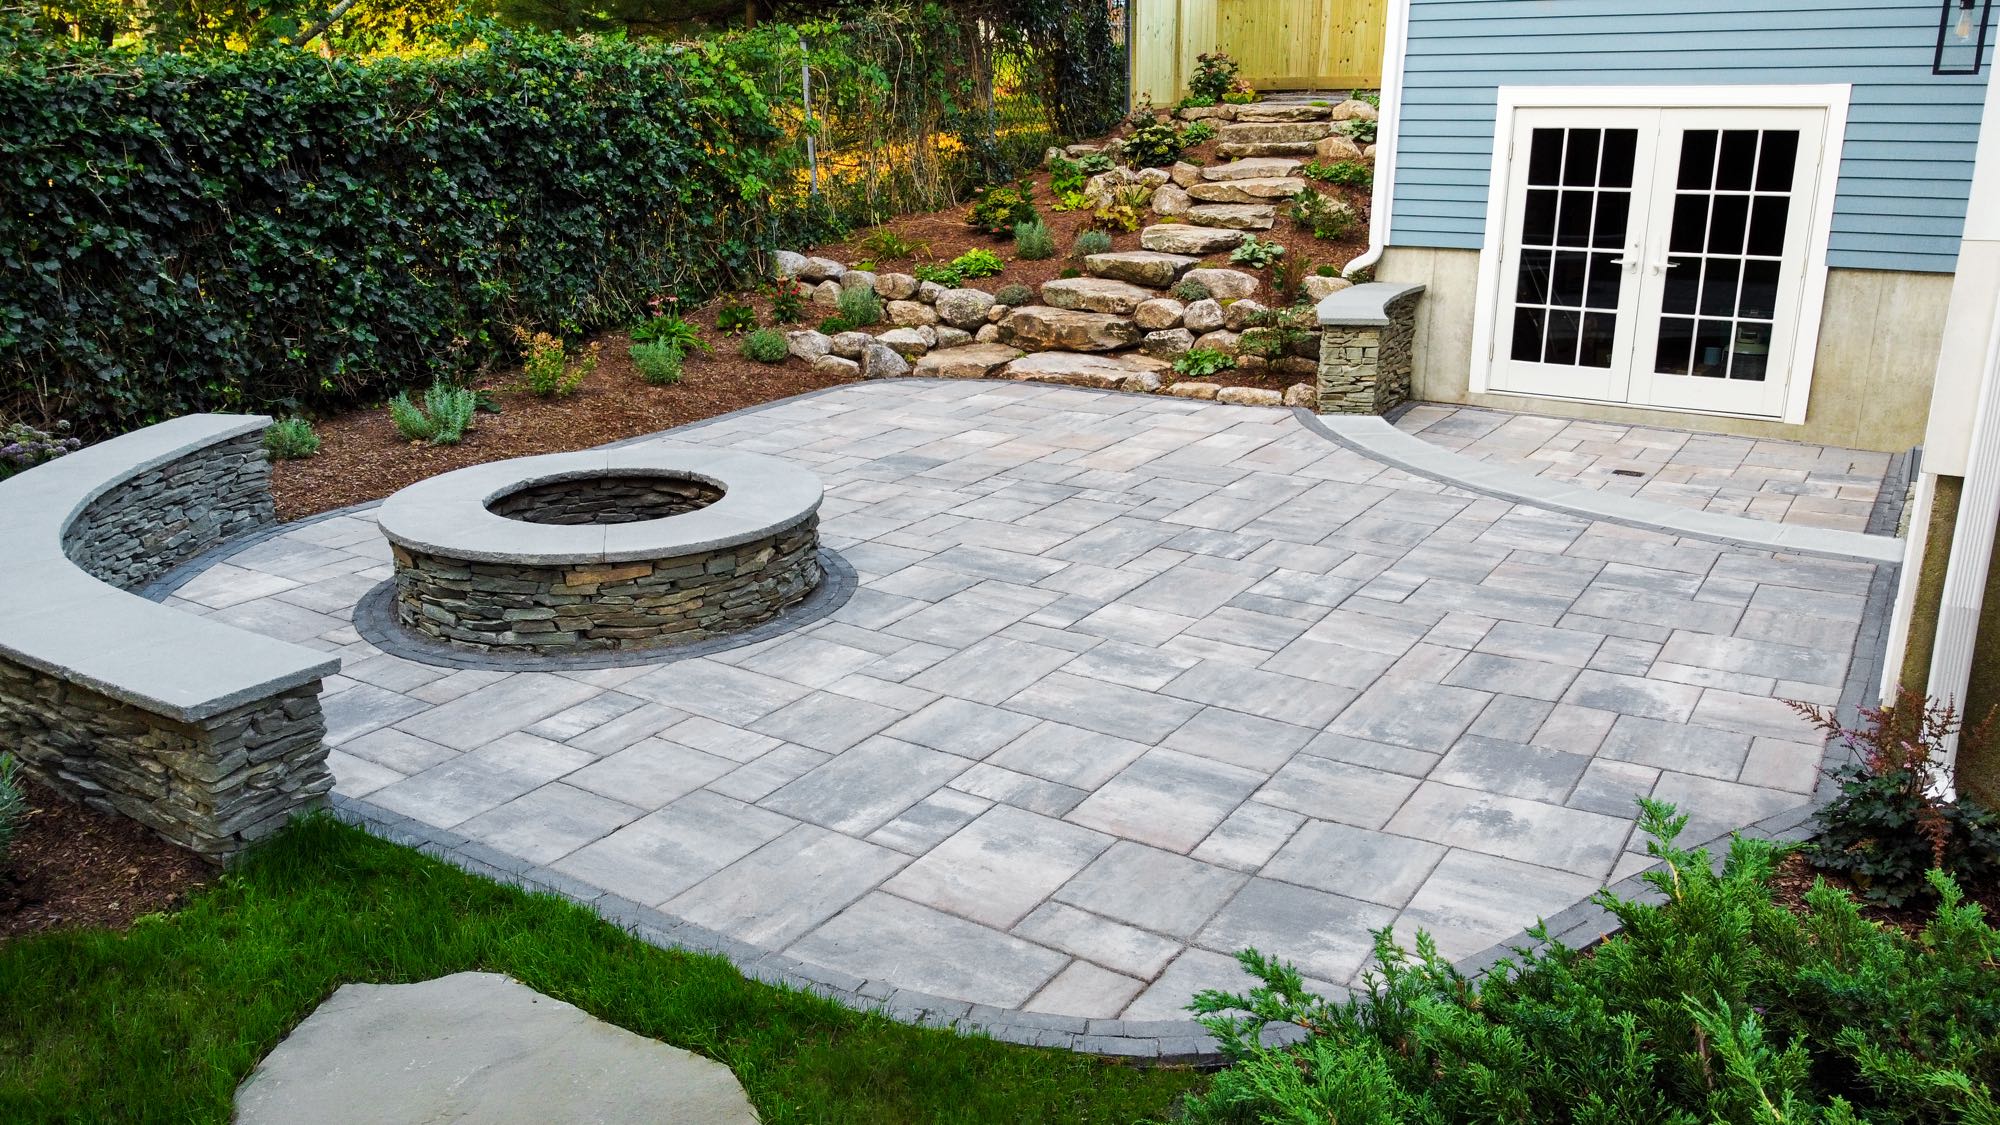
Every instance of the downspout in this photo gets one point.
(1971, 547)
(1396, 38)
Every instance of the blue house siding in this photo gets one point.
(1905, 171)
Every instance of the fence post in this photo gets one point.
(806, 87)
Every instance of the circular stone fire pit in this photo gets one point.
(613, 549)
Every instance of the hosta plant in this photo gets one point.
(1257, 253)
(1200, 363)
(979, 262)
(735, 318)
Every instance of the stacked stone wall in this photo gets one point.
(1366, 369)
(541, 609)
(165, 516)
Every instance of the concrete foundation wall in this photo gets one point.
(1871, 382)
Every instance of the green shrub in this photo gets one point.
(1256, 253)
(659, 362)
(835, 325)
(1071, 272)
(23, 446)
(1034, 241)
(1327, 271)
(978, 263)
(1239, 97)
(860, 308)
(1090, 242)
(1014, 296)
(546, 369)
(290, 439)
(889, 246)
(998, 208)
(1198, 132)
(1348, 172)
(1214, 75)
(1889, 826)
(1200, 363)
(230, 230)
(1362, 130)
(1324, 216)
(1712, 1004)
(1066, 176)
(13, 805)
(938, 273)
(735, 318)
(767, 345)
(443, 418)
(1157, 144)
(1189, 290)
(670, 329)
(788, 301)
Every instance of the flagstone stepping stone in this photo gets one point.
(1253, 168)
(1140, 267)
(478, 1047)
(1225, 285)
(1334, 149)
(969, 361)
(1233, 216)
(1247, 191)
(1266, 148)
(1044, 328)
(1109, 372)
(1274, 132)
(1095, 294)
(1181, 238)
(1282, 111)
(1250, 396)
(1158, 313)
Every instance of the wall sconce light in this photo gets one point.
(1962, 28)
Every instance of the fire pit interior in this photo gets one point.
(623, 498)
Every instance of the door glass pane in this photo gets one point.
(1545, 157)
(1600, 332)
(1572, 241)
(1528, 334)
(1732, 210)
(1532, 288)
(1676, 341)
(1580, 158)
(1736, 164)
(1697, 160)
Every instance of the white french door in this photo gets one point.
(1657, 256)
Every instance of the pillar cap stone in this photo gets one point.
(1363, 306)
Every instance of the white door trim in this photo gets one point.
(1832, 97)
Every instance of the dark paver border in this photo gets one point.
(1182, 1042)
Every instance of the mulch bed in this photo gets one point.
(73, 867)
(1795, 877)
(362, 458)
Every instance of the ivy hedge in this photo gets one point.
(268, 228)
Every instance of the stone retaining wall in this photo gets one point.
(208, 735)
(165, 516)
(210, 786)
(1364, 368)
(492, 606)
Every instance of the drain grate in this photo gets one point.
(1626, 473)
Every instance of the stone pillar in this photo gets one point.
(1366, 337)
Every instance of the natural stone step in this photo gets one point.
(969, 361)
(1140, 267)
(1233, 216)
(1225, 285)
(1179, 238)
(1095, 294)
(1266, 148)
(1104, 371)
(1288, 132)
(1043, 328)
(1282, 111)
(1255, 168)
(1246, 191)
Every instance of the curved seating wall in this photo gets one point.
(208, 734)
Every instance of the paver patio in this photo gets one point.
(1780, 481)
(1127, 684)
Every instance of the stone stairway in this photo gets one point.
(1120, 326)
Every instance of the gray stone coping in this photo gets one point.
(447, 515)
(1363, 306)
(58, 619)
(1381, 441)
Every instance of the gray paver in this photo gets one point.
(1236, 652)
(1325, 935)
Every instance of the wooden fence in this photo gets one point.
(1281, 44)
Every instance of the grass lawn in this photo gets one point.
(163, 1021)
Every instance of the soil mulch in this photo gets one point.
(1795, 877)
(71, 867)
